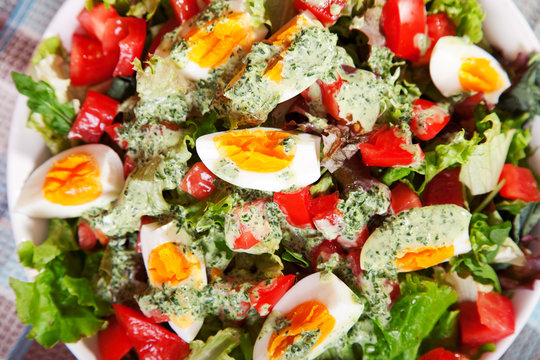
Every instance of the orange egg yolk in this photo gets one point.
(170, 265)
(73, 180)
(477, 74)
(283, 38)
(213, 44)
(259, 151)
(308, 316)
(424, 257)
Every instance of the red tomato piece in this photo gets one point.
(390, 147)
(86, 236)
(327, 96)
(490, 318)
(428, 119)
(404, 198)
(199, 181)
(150, 340)
(113, 342)
(324, 250)
(519, 184)
(444, 188)
(184, 9)
(129, 166)
(126, 36)
(112, 131)
(267, 293)
(327, 14)
(97, 112)
(89, 63)
(403, 21)
(169, 26)
(323, 204)
(438, 26)
(440, 354)
(295, 206)
(93, 22)
(245, 241)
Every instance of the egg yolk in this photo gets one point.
(424, 257)
(283, 38)
(477, 74)
(168, 264)
(73, 180)
(260, 151)
(308, 316)
(213, 44)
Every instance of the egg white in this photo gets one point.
(303, 170)
(427, 227)
(446, 60)
(326, 288)
(32, 202)
(153, 235)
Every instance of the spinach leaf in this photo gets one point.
(525, 221)
(525, 96)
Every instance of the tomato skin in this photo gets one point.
(199, 181)
(327, 96)
(85, 235)
(323, 204)
(428, 119)
(129, 166)
(322, 13)
(402, 21)
(444, 188)
(93, 22)
(113, 341)
(130, 46)
(324, 250)
(150, 340)
(184, 9)
(295, 206)
(245, 241)
(440, 354)
(89, 63)
(519, 184)
(404, 198)
(438, 26)
(97, 112)
(389, 147)
(267, 293)
(490, 318)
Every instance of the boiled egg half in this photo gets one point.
(311, 316)
(262, 158)
(418, 238)
(72, 182)
(457, 66)
(169, 262)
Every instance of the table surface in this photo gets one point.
(22, 23)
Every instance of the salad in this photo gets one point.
(304, 179)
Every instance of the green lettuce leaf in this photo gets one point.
(216, 347)
(61, 304)
(525, 220)
(444, 334)
(467, 15)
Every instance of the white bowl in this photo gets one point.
(504, 26)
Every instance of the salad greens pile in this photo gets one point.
(164, 110)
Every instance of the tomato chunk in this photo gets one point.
(404, 198)
(323, 204)
(428, 119)
(295, 206)
(184, 9)
(86, 236)
(89, 63)
(327, 96)
(444, 188)
(324, 250)
(390, 147)
(440, 354)
(519, 184)
(150, 340)
(403, 22)
(490, 318)
(438, 26)
(245, 241)
(199, 181)
(93, 22)
(267, 293)
(113, 342)
(126, 36)
(97, 112)
(327, 12)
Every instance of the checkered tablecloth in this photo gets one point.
(22, 23)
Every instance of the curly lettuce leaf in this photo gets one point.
(60, 304)
(216, 347)
(467, 15)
